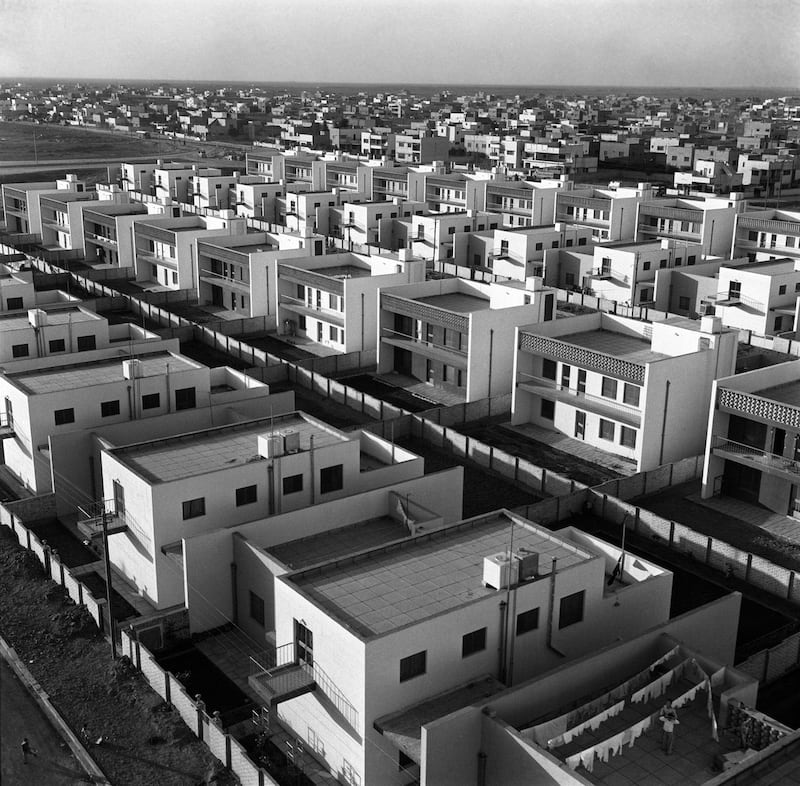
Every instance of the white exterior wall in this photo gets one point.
(341, 655)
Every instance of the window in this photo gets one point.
(57, 345)
(548, 410)
(292, 484)
(646, 265)
(569, 243)
(609, 388)
(451, 230)
(151, 401)
(20, 350)
(412, 666)
(13, 303)
(555, 244)
(606, 430)
(539, 246)
(782, 289)
(565, 374)
(527, 621)
(473, 642)
(571, 610)
(109, 408)
(684, 303)
(627, 437)
(662, 263)
(301, 292)
(778, 323)
(569, 279)
(193, 508)
(333, 333)
(256, 608)
(63, 416)
(581, 241)
(690, 260)
(86, 343)
(797, 287)
(752, 236)
(246, 495)
(548, 368)
(630, 394)
(331, 479)
(185, 398)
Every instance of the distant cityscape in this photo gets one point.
(385, 435)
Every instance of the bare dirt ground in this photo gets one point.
(148, 743)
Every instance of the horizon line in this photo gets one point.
(392, 83)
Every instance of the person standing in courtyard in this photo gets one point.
(669, 720)
(27, 750)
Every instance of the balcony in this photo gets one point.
(100, 240)
(606, 407)
(280, 675)
(91, 519)
(608, 274)
(6, 426)
(409, 307)
(149, 258)
(297, 306)
(217, 279)
(772, 463)
(735, 299)
(450, 356)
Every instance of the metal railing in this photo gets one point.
(284, 656)
(728, 298)
(628, 410)
(759, 455)
(389, 333)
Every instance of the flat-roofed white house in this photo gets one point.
(332, 299)
(237, 272)
(518, 254)
(60, 394)
(637, 390)
(491, 601)
(753, 447)
(164, 250)
(458, 335)
(167, 489)
(761, 297)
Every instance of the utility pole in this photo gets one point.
(107, 560)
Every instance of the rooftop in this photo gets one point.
(71, 316)
(400, 585)
(99, 372)
(456, 301)
(343, 271)
(210, 450)
(620, 345)
(787, 393)
(334, 544)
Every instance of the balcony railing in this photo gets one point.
(771, 461)
(407, 339)
(602, 273)
(575, 397)
(728, 298)
(101, 240)
(750, 404)
(269, 664)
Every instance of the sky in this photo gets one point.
(658, 43)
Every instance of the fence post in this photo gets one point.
(749, 566)
(790, 588)
(709, 546)
(603, 512)
(201, 705)
(167, 687)
(672, 467)
(228, 751)
(491, 455)
(636, 521)
(516, 468)
(671, 533)
(544, 480)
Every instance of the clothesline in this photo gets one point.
(542, 733)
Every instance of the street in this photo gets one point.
(20, 717)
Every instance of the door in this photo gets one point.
(216, 295)
(741, 482)
(580, 424)
(303, 643)
(402, 361)
(319, 332)
(549, 303)
(581, 380)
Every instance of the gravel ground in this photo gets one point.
(148, 743)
